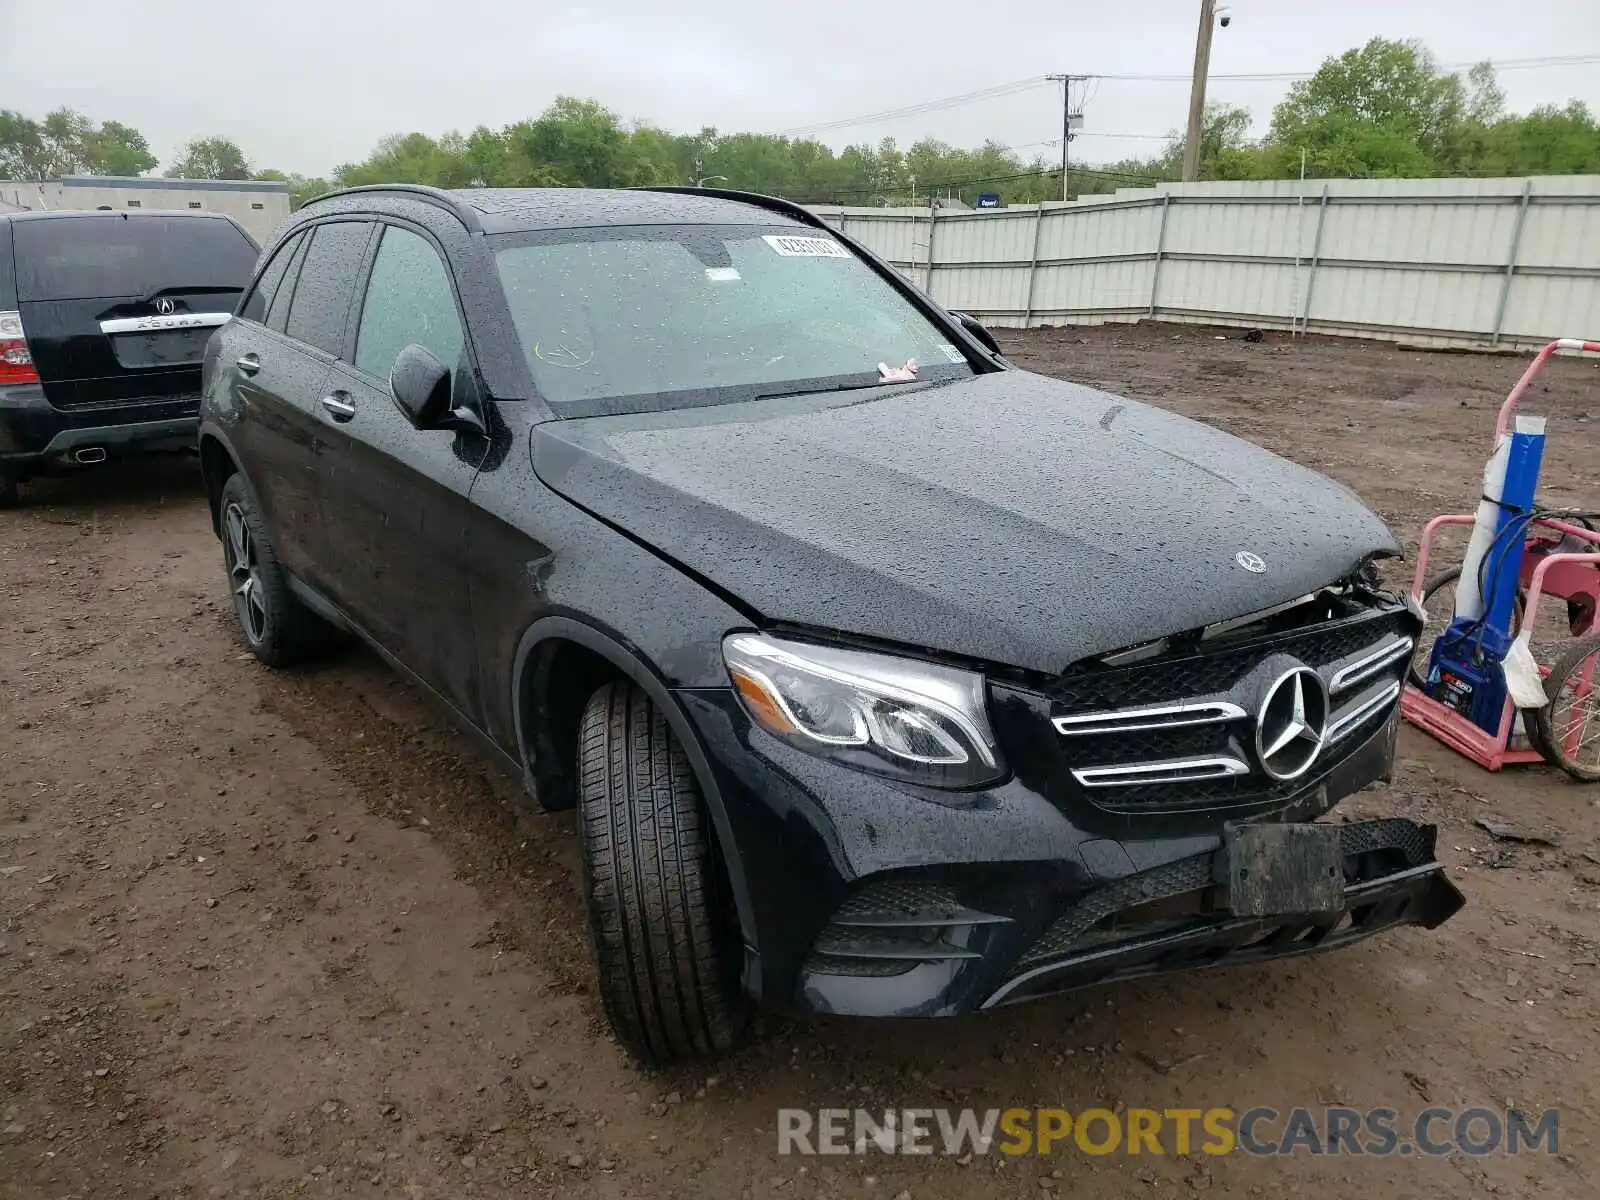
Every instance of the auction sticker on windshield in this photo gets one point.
(805, 247)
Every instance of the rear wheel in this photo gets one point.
(278, 629)
(664, 936)
(1439, 602)
(10, 493)
(1567, 730)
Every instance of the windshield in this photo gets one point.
(631, 318)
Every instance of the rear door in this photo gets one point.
(394, 498)
(118, 307)
(274, 363)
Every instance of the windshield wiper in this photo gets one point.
(813, 390)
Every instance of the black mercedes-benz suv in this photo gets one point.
(887, 679)
(103, 320)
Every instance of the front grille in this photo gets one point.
(1090, 686)
(1176, 733)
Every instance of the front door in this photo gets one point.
(394, 498)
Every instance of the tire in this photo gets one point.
(10, 492)
(1545, 735)
(1416, 674)
(277, 628)
(659, 916)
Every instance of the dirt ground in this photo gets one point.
(266, 935)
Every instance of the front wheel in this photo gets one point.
(1567, 730)
(664, 936)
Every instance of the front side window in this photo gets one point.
(321, 303)
(621, 319)
(410, 300)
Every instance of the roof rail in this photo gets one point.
(756, 199)
(437, 197)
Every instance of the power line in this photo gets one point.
(1506, 64)
(1022, 85)
(909, 110)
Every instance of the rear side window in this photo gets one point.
(410, 300)
(92, 256)
(278, 310)
(260, 298)
(321, 303)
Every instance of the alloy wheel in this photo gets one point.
(244, 574)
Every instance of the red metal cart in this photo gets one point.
(1561, 560)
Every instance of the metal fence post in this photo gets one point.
(927, 278)
(1511, 260)
(1033, 266)
(1311, 273)
(1161, 245)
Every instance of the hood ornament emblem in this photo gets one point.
(1251, 562)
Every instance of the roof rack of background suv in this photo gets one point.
(438, 197)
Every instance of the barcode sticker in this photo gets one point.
(805, 247)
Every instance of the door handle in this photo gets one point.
(339, 406)
(248, 364)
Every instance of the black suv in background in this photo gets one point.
(888, 679)
(103, 320)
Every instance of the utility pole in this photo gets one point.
(1197, 91)
(1070, 120)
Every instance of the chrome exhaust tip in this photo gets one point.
(89, 454)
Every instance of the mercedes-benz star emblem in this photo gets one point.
(1292, 724)
(1253, 563)
(165, 306)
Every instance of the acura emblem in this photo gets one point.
(1253, 563)
(165, 306)
(1292, 724)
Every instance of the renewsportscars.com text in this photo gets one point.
(1259, 1131)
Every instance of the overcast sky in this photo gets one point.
(303, 85)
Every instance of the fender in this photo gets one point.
(210, 429)
(642, 673)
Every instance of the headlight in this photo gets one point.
(895, 716)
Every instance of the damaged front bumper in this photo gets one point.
(908, 950)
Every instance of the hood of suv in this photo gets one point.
(1010, 518)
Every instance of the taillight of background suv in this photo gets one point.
(16, 363)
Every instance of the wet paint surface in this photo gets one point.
(1003, 518)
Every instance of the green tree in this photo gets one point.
(68, 143)
(1547, 141)
(301, 188)
(116, 149)
(1384, 109)
(210, 158)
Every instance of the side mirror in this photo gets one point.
(420, 384)
(975, 327)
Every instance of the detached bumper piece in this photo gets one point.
(1391, 878)
(919, 947)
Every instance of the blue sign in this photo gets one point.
(988, 199)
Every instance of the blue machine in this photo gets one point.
(1465, 670)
